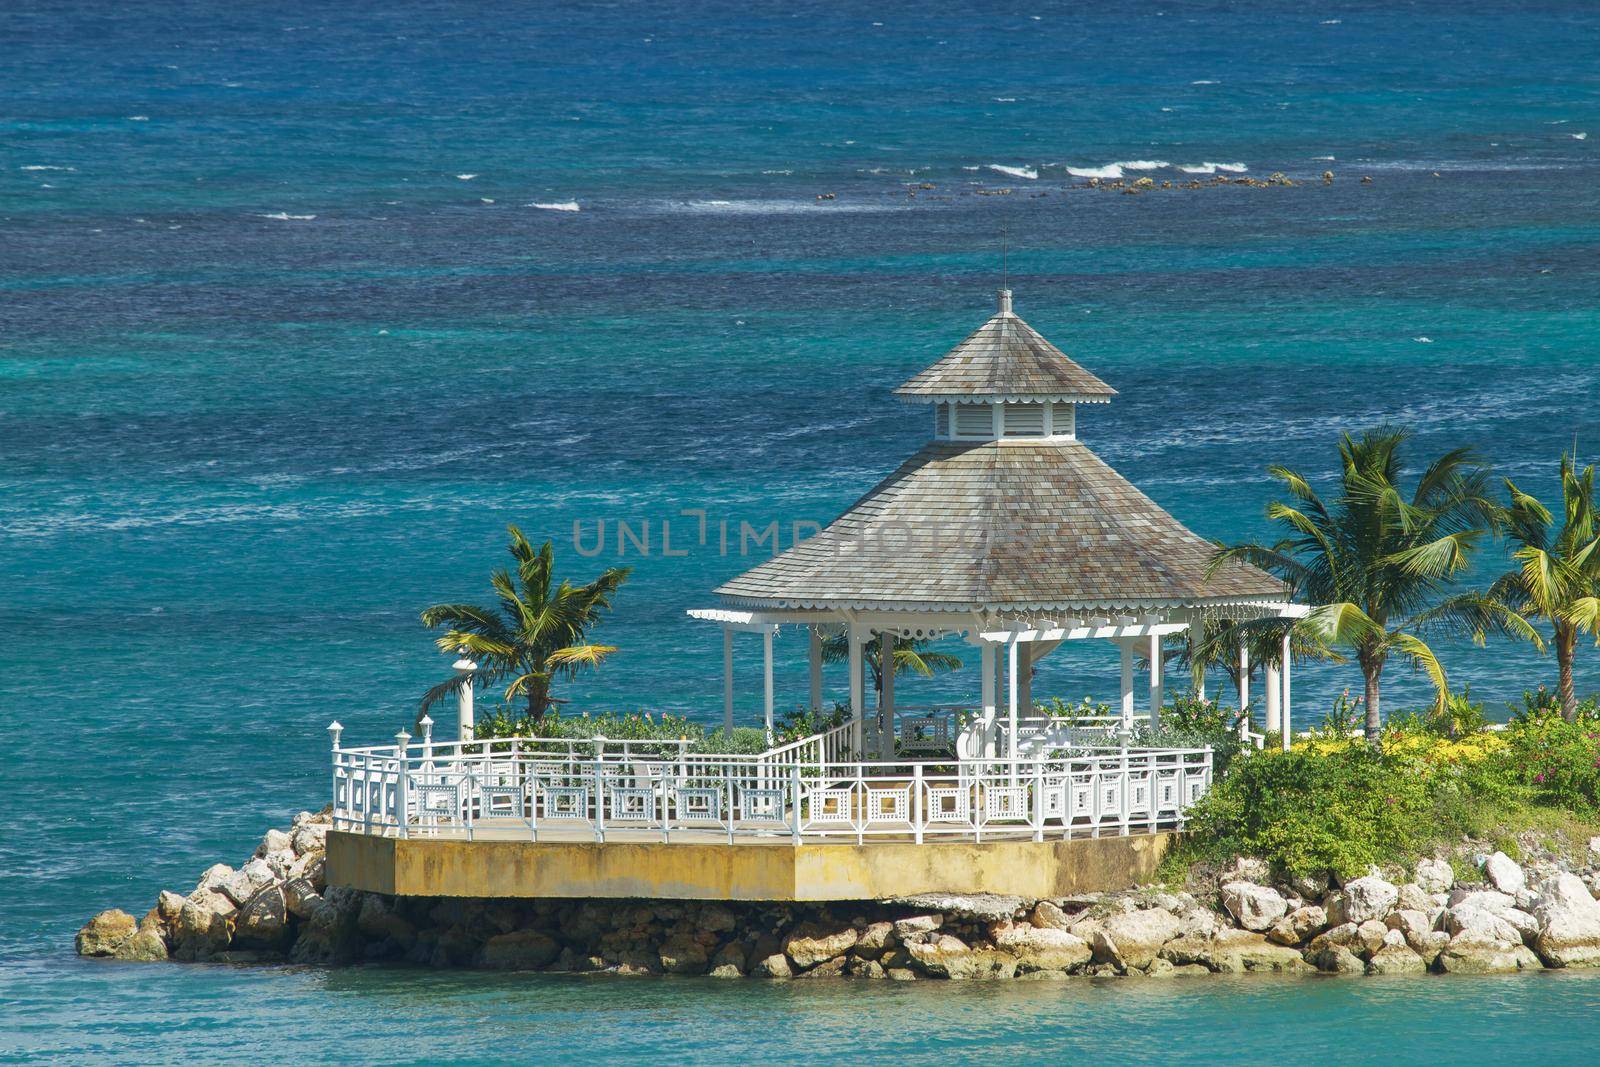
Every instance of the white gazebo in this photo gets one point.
(1006, 530)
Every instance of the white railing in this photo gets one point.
(524, 789)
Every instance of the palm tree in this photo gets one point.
(1560, 568)
(1376, 563)
(910, 657)
(539, 631)
(1263, 644)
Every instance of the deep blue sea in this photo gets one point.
(296, 315)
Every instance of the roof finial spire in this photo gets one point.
(1004, 302)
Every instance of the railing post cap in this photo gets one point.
(464, 665)
(402, 737)
(425, 722)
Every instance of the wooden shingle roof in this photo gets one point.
(1001, 525)
(1004, 358)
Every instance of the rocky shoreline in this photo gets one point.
(1492, 915)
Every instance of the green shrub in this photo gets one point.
(1559, 760)
(1307, 811)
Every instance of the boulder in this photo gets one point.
(1234, 952)
(729, 958)
(309, 837)
(1132, 939)
(102, 934)
(520, 950)
(1569, 923)
(874, 939)
(1491, 900)
(280, 864)
(1309, 886)
(377, 919)
(976, 907)
(200, 930)
(775, 965)
(1468, 955)
(300, 898)
(1504, 873)
(943, 956)
(1362, 899)
(1345, 935)
(274, 840)
(1336, 959)
(1370, 935)
(147, 945)
(168, 904)
(264, 920)
(1254, 907)
(1048, 915)
(1479, 924)
(1248, 869)
(1299, 925)
(1435, 876)
(1525, 924)
(813, 943)
(1042, 948)
(917, 925)
(683, 955)
(1396, 958)
(1412, 898)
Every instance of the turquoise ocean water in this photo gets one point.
(285, 342)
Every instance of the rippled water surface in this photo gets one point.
(285, 340)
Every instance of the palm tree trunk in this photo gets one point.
(1566, 645)
(1372, 672)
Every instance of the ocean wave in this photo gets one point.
(1580, 137)
(557, 205)
(284, 216)
(765, 207)
(466, 177)
(1110, 170)
(1204, 81)
(45, 166)
(1212, 168)
(1015, 172)
(1141, 164)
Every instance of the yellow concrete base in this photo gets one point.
(777, 870)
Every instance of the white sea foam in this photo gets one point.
(557, 205)
(970, 168)
(138, 118)
(1212, 168)
(1331, 22)
(1204, 81)
(46, 166)
(777, 172)
(1423, 340)
(1015, 172)
(1110, 170)
(484, 200)
(1005, 100)
(1580, 137)
(1323, 159)
(284, 216)
(466, 177)
(1141, 164)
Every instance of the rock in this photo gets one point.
(1396, 959)
(1132, 939)
(308, 838)
(1504, 873)
(1569, 923)
(1254, 907)
(1490, 900)
(1525, 924)
(200, 931)
(1234, 952)
(1248, 869)
(944, 956)
(1336, 959)
(1412, 898)
(213, 877)
(1594, 846)
(1362, 899)
(274, 840)
(1042, 948)
(1299, 925)
(147, 945)
(726, 970)
(916, 925)
(1435, 876)
(1372, 936)
(1345, 935)
(377, 919)
(813, 943)
(264, 920)
(774, 966)
(168, 904)
(300, 898)
(729, 957)
(101, 935)
(329, 935)
(280, 864)
(979, 907)
(683, 955)
(874, 939)
(1469, 956)
(1309, 886)
(1048, 915)
(521, 950)
(1479, 924)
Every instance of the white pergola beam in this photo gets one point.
(1111, 631)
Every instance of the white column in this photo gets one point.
(766, 676)
(1197, 636)
(727, 681)
(886, 697)
(1157, 692)
(1127, 683)
(1025, 678)
(990, 703)
(1011, 697)
(1288, 729)
(1272, 685)
(1244, 674)
(466, 727)
(816, 668)
(853, 638)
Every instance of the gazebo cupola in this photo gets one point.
(1005, 382)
